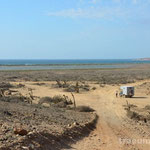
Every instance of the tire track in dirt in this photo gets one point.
(110, 127)
(112, 123)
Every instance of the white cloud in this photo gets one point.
(105, 13)
(70, 13)
(120, 10)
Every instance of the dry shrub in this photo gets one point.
(61, 104)
(58, 101)
(133, 115)
(71, 89)
(94, 88)
(20, 85)
(15, 99)
(45, 100)
(102, 85)
(74, 88)
(62, 84)
(39, 84)
(84, 109)
(86, 88)
(147, 107)
(129, 106)
(6, 85)
(68, 87)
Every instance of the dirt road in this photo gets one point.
(112, 126)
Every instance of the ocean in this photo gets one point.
(45, 64)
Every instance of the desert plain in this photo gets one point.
(75, 109)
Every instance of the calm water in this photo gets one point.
(65, 64)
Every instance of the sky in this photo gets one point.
(74, 29)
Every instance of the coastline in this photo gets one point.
(64, 66)
(69, 64)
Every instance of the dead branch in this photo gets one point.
(77, 87)
(74, 101)
(128, 105)
(59, 83)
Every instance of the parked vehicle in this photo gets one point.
(127, 91)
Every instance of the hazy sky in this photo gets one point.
(74, 29)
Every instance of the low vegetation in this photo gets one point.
(138, 114)
(77, 87)
(85, 109)
(58, 100)
(32, 122)
(102, 76)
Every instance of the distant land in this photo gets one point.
(144, 59)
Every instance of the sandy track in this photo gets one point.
(104, 136)
(112, 124)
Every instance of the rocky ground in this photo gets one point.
(108, 76)
(33, 126)
(26, 123)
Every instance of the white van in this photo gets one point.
(127, 91)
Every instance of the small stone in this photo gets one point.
(31, 146)
(21, 132)
(7, 113)
(25, 147)
(69, 125)
(75, 123)
(30, 133)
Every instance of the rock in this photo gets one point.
(7, 113)
(3, 138)
(34, 128)
(31, 146)
(25, 147)
(30, 133)
(20, 131)
(75, 123)
(69, 125)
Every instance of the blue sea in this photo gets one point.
(40, 64)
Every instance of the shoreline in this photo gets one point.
(89, 64)
(64, 67)
(69, 62)
(74, 64)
